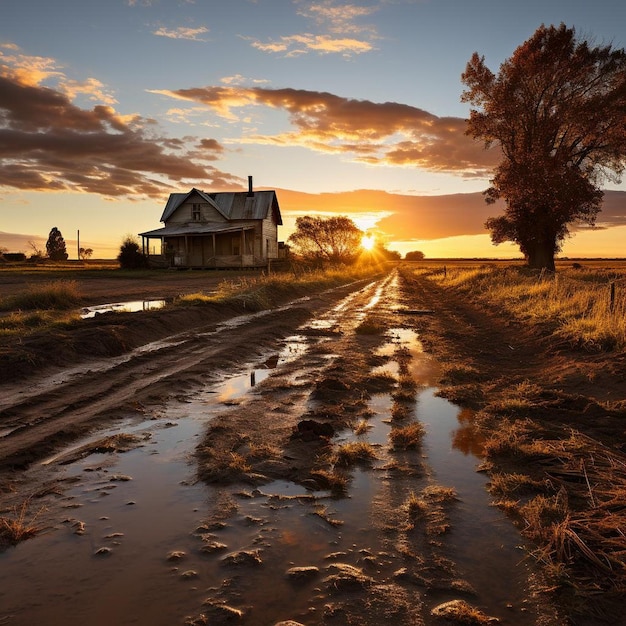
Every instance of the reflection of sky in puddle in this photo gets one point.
(132, 306)
(167, 503)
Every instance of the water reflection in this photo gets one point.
(131, 306)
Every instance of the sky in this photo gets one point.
(343, 107)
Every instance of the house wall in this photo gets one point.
(269, 234)
(185, 212)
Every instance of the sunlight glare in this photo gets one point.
(367, 242)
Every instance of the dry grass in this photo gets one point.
(352, 453)
(407, 437)
(258, 293)
(576, 301)
(20, 525)
(573, 516)
(58, 295)
(362, 427)
(336, 482)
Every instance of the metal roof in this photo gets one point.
(197, 228)
(238, 205)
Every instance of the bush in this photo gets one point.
(130, 256)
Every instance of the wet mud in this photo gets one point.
(295, 465)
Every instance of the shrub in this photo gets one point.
(130, 256)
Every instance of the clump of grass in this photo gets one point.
(353, 452)
(335, 482)
(59, 295)
(407, 437)
(23, 323)
(362, 427)
(400, 411)
(509, 484)
(416, 507)
(19, 526)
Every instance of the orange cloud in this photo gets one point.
(385, 133)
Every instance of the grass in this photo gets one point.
(407, 437)
(19, 323)
(258, 293)
(57, 295)
(19, 526)
(576, 302)
(335, 482)
(353, 452)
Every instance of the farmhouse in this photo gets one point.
(216, 230)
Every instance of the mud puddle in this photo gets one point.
(138, 540)
(132, 306)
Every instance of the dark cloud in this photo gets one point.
(48, 143)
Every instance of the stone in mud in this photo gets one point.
(311, 430)
(219, 613)
(103, 551)
(175, 555)
(243, 557)
(210, 547)
(190, 573)
(289, 622)
(302, 574)
(460, 612)
(346, 578)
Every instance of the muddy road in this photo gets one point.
(295, 464)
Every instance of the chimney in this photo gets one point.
(250, 191)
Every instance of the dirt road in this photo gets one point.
(319, 498)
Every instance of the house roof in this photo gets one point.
(238, 205)
(178, 230)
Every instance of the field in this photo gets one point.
(322, 479)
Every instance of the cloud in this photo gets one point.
(295, 45)
(182, 32)
(387, 133)
(340, 31)
(49, 143)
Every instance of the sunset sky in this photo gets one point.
(342, 107)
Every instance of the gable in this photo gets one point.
(194, 206)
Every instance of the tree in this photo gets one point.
(85, 253)
(333, 240)
(55, 246)
(557, 110)
(130, 256)
(414, 255)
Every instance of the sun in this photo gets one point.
(368, 242)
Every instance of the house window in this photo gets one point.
(196, 212)
(236, 248)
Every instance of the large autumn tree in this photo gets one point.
(333, 240)
(557, 109)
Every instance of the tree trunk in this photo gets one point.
(541, 256)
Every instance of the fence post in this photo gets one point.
(612, 298)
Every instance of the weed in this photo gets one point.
(406, 437)
(61, 294)
(362, 427)
(353, 452)
(19, 526)
(416, 506)
(334, 481)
